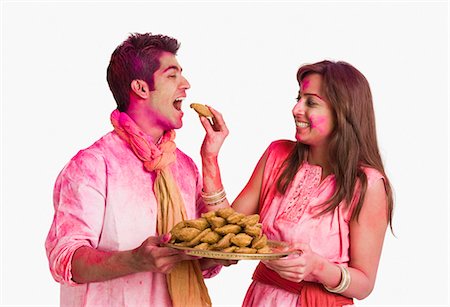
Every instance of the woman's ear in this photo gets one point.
(140, 88)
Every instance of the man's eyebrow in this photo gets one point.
(173, 67)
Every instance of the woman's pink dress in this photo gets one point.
(290, 218)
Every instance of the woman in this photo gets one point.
(326, 193)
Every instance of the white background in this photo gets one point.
(242, 59)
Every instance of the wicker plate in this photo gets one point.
(280, 249)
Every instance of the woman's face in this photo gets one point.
(313, 114)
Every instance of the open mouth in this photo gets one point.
(177, 103)
(301, 124)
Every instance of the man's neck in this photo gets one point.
(145, 125)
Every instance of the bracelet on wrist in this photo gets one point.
(214, 198)
(344, 283)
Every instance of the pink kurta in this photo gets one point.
(104, 199)
(290, 218)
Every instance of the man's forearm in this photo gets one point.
(92, 265)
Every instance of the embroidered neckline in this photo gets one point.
(299, 196)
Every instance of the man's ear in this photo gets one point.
(140, 88)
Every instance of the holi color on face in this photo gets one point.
(305, 84)
(318, 123)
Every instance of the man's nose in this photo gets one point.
(185, 83)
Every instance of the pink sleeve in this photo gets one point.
(79, 201)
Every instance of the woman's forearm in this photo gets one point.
(212, 182)
(329, 274)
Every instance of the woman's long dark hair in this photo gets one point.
(353, 143)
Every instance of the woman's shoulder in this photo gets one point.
(372, 174)
(281, 147)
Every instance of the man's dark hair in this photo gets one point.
(136, 58)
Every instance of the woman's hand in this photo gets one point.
(296, 267)
(215, 135)
(214, 138)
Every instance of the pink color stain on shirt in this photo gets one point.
(104, 199)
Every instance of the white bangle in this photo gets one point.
(346, 278)
(214, 198)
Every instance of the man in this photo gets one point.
(116, 201)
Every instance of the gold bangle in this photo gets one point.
(346, 278)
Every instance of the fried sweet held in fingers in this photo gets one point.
(201, 109)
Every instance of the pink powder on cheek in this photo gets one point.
(318, 123)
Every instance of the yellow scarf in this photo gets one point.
(185, 281)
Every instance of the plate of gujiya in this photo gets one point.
(228, 235)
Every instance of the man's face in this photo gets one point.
(164, 102)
